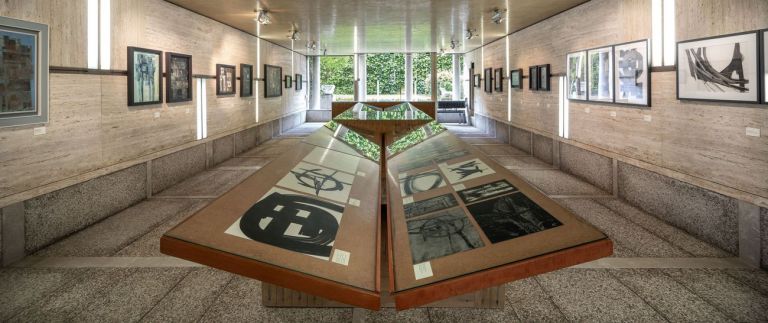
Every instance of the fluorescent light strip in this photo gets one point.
(93, 34)
(657, 36)
(561, 107)
(204, 108)
(509, 90)
(566, 110)
(105, 34)
(199, 109)
(669, 32)
(258, 68)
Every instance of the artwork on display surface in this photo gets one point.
(145, 85)
(23, 72)
(722, 68)
(414, 209)
(498, 80)
(246, 80)
(422, 182)
(291, 221)
(632, 73)
(516, 79)
(465, 170)
(486, 191)
(488, 80)
(273, 81)
(319, 181)
(333, 159)
(288, 82)
(477, 80)
(533, 78)
(225, 79)
(543, 77)
(299, 82)
(600, 74)
(442, 234)
(511, 216)
(576, 65)
(178, 80)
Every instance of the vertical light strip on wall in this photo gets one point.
(258, 69)
(105, 34)
(657, 36)
(202, 110)
(93, 34)
(669, 33)
(509, 90)
(663, 36)
(563, 115)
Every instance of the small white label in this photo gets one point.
(186, 111)
(354, 202)
(157, 115)
(538, 104)
(458, 187)
(408, 200)
(587, 110)
(613, 114)
(38, 131)
(422, 270)
(341, 257)
(647, 117)
(753, 132)
(361, 174)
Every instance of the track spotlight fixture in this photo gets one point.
(312, 45)
(294, 34)
(497, 15)
(262, 17)
(453, 44)
(470, 33)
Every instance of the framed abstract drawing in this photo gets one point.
(516, 79)
(576, 75)
(488, 80)
(600, 74)
(273, 77)
(543, 77)
(246, 80)
(225, 79)
(498, 80)
(476, 80)
(632, 81)
(533, 78)
(288, 82)
(178, 77)
(145, 84)
(299, 82)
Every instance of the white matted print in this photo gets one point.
(577, 75)
(465, 170)
(765, 66)
(333, 159)
(421, 182)
(319, 181)
(600, 74)
(632, 81)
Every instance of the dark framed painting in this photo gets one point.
(288, 82)
(765, 65)
(498, 80)
(516, 79)
(600, 74)
(632, 77)
(543, 77)
(273, 78)
(23, 72)
(246, 80)
(225, 79)
(576, 75)
(145, 84)
(721, 68)
(178, 77)
(488, 80)
(299, 82)
(476, 80)
(533, 78)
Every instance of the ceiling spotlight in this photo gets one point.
(312, 45)
(453, 44)
(497, 15)
(470, 34)
(294, 34)
(262, 17)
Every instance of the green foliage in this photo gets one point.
(339, 71)
(387, 71)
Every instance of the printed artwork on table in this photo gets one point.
(486, 191)
(291, 221)
(465, 170)
(319, 181)
(422, 182)
(511, 216)
(442, 234)
(422, 207)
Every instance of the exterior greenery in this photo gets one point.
(339, 71)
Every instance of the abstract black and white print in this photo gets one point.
(516, 79)
(632, 73)
(442, 234)
(600, 73)
(273, 81)
(246, 80)
(511, 216)
(291, 221)
(422, 182)
(179, 81)
(225, 79)
(18, 71)
(486, 191)
(577, 75)
(720, 69)
(465, 170)
(422, 207)
(144, 76)
(319, 181)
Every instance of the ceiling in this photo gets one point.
(374, 26)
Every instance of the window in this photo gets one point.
(385, 80)
(445, 86)
(422, 77)
(338, 71)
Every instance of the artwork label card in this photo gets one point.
(511, 216)
(319, 181)
(465, 170)
(341, 257)
(422, 270)
(442, 234)
(486, 191)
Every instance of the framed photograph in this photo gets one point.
(632, 81)
(516, 79)
(145, 84)
(488, 80)
(765, 65)
(576, 65)
(299, 82)
(498, 80)
(477, 80)
(722, 68)
(178, 77)
(273, 78)
(246, 80)
(23, 72)
(288, 82)
(600, 74)
(543, 77)
(533, 78)
(225, 79)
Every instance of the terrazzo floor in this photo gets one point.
(113, 270)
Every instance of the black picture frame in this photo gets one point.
(764, 63)
(273, 78)
(617, 74)
(174, 77)
(573, 81)
(476, 80)
(225, 79)
(498, 80)
(609, 50)
(488, 80)
(132, 69)
(533, 81)
(299, 82)
(544, 73)
(759, 70)
(246, 80)
(288, 82)
(516, 78)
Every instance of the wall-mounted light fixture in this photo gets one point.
(453, 44)
(497, 15)
(262, 17)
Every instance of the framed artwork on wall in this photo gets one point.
(498, 80)
(576, 75)
(273, 77)
(516, 79)
(299, 83)
(632, 81)
(543, 77)
(765, 65)
(721, 68)
(145, 84)
(178, 77)
(600, 74)
(246, 80)
(23, 72)
(488, 80)
(477, 80)
(533, 80)
(225, 79)
(288, 82)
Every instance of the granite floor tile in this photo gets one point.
(756, 278)
(114, 233)
(521, 162)
(416, 315)
(506, 314)
(266, 150)
(148, 245)
(531, 302)
(20, 287)
(738, 301)
(254, 162)
(189, 299)
(208, 183)
(673, 300)
(501, 150)
(622, 231)
(588, 295)
(555, 182)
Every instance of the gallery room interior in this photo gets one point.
(383, 161)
